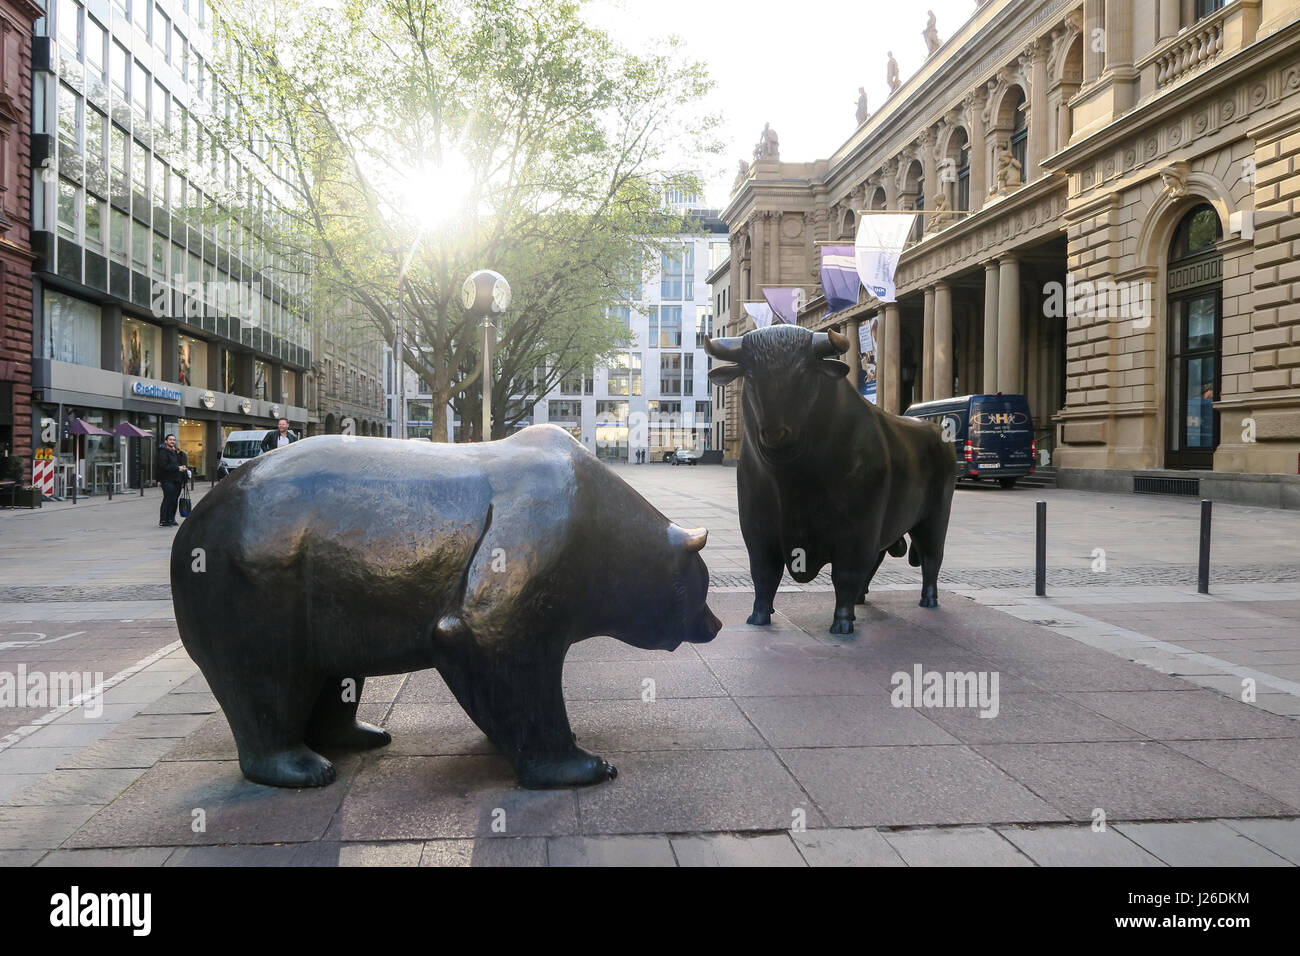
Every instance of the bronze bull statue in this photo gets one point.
(827, 477)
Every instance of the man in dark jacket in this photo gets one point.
(171, 472)
(280, 437)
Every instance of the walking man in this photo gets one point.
(279, 438)
(170, 471)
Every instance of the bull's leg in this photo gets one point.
(862, 595)
(847, 577)
(519, 704)
(927, 539)
(766, 571)
(334, 723)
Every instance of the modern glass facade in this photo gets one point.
(153, 261)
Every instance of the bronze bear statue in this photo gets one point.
(337, 558)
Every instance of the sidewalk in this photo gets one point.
(777, 745)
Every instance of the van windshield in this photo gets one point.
(242, 449)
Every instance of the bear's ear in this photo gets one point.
(725, 373)
(833, 368)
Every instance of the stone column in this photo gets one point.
(1119, 51)
(1009, 325)
(891, 184)
(1094, 19)
(1039, 121)
(990, 384)
(882, 346)
(979, 176)
(774, 245)
(929, 174)
(927, 347)
(942, 387)
(854, 358)
(1170, 15)
(893, 336)
(757, 254)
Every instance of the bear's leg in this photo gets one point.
(334, 723)
(268, 718)
(519, 704)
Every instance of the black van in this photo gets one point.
(993, 435)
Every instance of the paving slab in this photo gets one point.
(1078, 846)
(1029, 717)
(426, 798)
(1278, 836)
(681, 674)
(160, 808)
(729, 849)
(74, 788)
(115, 857)
(1199, 843)
(845, 846)
(610, 851)
(396, 853)
(40, 828)
(700, 723)
(838, 721)
(1128, 780)
(955, 846)
(1270, 766)
(485, 851)
(695, 791)
(1191, 715)
(912, 785)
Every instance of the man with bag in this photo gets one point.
(171, 471)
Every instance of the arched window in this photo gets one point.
(1195, 312)
(1020, 136)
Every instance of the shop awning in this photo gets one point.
(81, 427)
(127, 430)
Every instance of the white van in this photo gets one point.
(239, 448)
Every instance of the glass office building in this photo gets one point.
(153, 303)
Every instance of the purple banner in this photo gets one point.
(785, 303)
(839, 277)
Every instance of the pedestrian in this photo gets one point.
(170, 471)
(280, 437)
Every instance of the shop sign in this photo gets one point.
(154, 391)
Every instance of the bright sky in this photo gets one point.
(795, 65)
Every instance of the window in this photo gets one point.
(69, 103)
(121, 68)
(1205, 7)
(95, 123)
(71, 330)
(666, 327)
(94, 41)
(670, 373)
(688, 373)
(703, 413)
(625, 374)
(677, 275)
(95, 221)
(564, 411)
(119, 228)
(139, 246)
(622, 315)
(140, 348)
(1020, 138)
(577, 383)
(69, 14)
(1195, 330)
(162, 32)
(262, 376)
(67, 209)
(962, 199)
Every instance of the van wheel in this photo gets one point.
(1007, 483)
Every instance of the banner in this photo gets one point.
(879, 243)
(867, 336)
(785, 303)
(760, 313)
(839, 277)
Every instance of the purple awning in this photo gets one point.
(81, 427)
(130, 431)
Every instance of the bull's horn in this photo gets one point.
(692, 539)
(826, 344)
(728, 349)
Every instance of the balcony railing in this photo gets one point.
(1194, 48)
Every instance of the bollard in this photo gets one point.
(1203, 571)
(1040, 550)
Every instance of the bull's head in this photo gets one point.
(786, 369)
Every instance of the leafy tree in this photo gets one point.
(417, 141)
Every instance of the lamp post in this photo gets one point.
(486, 294)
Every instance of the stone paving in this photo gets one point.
(1119, 736)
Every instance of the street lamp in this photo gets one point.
(485, 294)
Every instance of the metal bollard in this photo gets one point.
(1040, 550)
(1203, 571)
